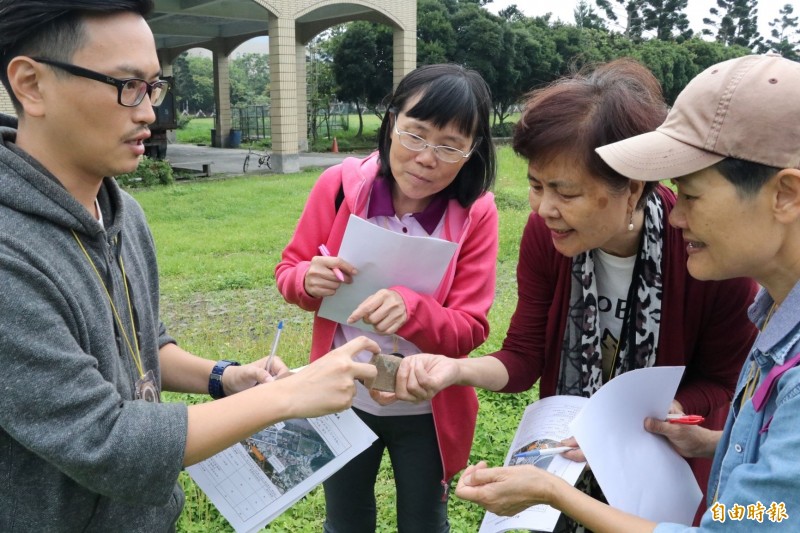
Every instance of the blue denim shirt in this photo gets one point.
(756, 474)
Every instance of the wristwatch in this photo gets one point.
(215, 378)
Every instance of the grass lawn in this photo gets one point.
(218, 243)
(196, 131)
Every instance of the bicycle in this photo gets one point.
(263, 159)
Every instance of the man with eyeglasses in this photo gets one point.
(85, 444)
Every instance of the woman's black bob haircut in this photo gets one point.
(450, 95)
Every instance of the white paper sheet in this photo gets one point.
(385, 259)
(639, 472)
(544, 424)
(256, 480)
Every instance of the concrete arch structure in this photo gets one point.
(222, 25)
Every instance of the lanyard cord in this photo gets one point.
(135, 355)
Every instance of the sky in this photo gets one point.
(696, 10)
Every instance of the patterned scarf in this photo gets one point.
(581, 358)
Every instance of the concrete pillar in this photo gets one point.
(405, 53)
(302, 99)
(167, 70)
(283, 84)
(222, 99)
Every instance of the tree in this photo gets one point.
(785, 34)
(670, 62)
(436, 39)
(194, 83)
(578, 47)
(634, 25)
(735, 22)
(250, 79)
(363, 53)
(707, 53)
(587, 18)
(530, 64)
(511, 14)
(667, 18)
(485, 43)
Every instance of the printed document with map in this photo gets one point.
(544, 424)
(639, 472)
(254, 481)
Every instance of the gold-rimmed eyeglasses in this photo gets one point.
(445, 153)
(130, 91)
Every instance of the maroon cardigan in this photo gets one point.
(704, 325)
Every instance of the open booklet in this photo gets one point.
(639, 472)
(544, 424)
(254, 481)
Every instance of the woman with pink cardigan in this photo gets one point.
(430, 177)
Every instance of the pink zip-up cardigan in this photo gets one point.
(452, 322)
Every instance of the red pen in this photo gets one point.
(687, 420)
(324, 251)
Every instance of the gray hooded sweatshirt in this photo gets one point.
(77, 452)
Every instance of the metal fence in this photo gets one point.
(255, 124)
(253, 121)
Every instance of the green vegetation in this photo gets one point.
(218, 243)
(149, 172)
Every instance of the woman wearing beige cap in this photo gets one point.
(602, 280)
(731, 145)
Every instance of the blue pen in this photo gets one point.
(545, 452)
(274, 348)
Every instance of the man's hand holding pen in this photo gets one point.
(239, 378)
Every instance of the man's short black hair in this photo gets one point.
(51, 28)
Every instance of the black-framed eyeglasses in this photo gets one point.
(130, 91)
(445, 153)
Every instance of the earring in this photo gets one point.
(630, 224)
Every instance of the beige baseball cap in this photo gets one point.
(745, 108)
